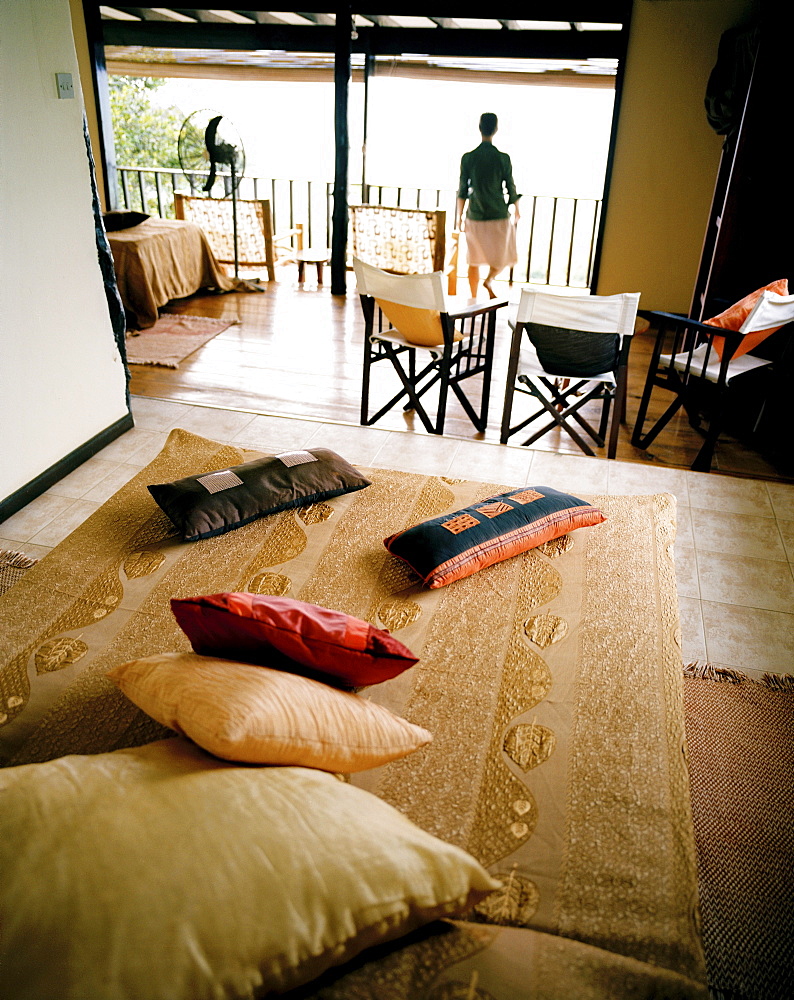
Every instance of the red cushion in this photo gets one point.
(291, 635)
(733, 317)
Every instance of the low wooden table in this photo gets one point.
(317, 257)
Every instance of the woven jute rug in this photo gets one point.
(13, 566)
(740, 735)
(172, 339)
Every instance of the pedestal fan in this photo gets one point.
(207, 137)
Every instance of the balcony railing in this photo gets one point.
(556, 235)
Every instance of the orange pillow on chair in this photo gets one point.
(733, 317)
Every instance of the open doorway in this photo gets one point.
(417, 127)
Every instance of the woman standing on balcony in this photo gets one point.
(486, 182)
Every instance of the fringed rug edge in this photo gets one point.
(703, 670)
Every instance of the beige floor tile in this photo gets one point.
(683, 526)
(218, 425)
(428, 454)
(135, 447)
(748, 638)
(147, 450)
(492, 463)
(570, 473)
(782, 496)
(157, 414)
(65, 523)
(83, 479)
(22, 526)
(686, 571)
(272, 435)
(693, 640)
(105, 489)
(786, 529)
(741, 496)
(742, 580)
(358, 445)
(737, 534)
(633, 478)
(28, 548)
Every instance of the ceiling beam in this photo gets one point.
(605, 11)
(376, 41)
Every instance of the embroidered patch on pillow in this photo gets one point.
(212, 503)
(453, 546)
(291, 635)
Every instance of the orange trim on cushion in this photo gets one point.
(513, 543)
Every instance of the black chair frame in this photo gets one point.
(701, 399)
(556, 401)
(450, 364)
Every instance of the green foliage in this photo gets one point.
(146, 135)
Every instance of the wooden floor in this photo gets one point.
(296, 350)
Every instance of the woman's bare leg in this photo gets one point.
(474, 279)
(488, 283)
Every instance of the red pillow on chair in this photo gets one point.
(733, 317)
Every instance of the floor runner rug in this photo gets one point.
(172, 338)
(740, 735)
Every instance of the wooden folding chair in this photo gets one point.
(699, 363)
(576, 351)
(429, 341)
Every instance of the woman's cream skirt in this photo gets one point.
(492, 242)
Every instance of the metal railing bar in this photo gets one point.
(570, 241)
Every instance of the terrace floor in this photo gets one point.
(296, 351)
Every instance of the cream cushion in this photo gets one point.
(161, 872)
(261, 716)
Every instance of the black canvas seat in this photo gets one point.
(566, 351)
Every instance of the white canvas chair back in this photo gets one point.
(412, 303)
(577, 336)
(421, 291)
(770, 311)
(588, 313)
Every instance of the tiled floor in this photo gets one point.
(734, 550)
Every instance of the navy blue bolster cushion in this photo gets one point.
(453, 546)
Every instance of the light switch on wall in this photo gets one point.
(65, 85)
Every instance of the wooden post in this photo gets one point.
(105, 156)
(369, 62)
(344, 27)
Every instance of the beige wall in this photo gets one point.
(666, 156)
(61, 376)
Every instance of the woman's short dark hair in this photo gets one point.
(488, 123)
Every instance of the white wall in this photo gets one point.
(61, 376)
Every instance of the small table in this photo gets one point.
(317, 257)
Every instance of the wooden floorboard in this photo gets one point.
(297, 351)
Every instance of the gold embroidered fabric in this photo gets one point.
(551, 683)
